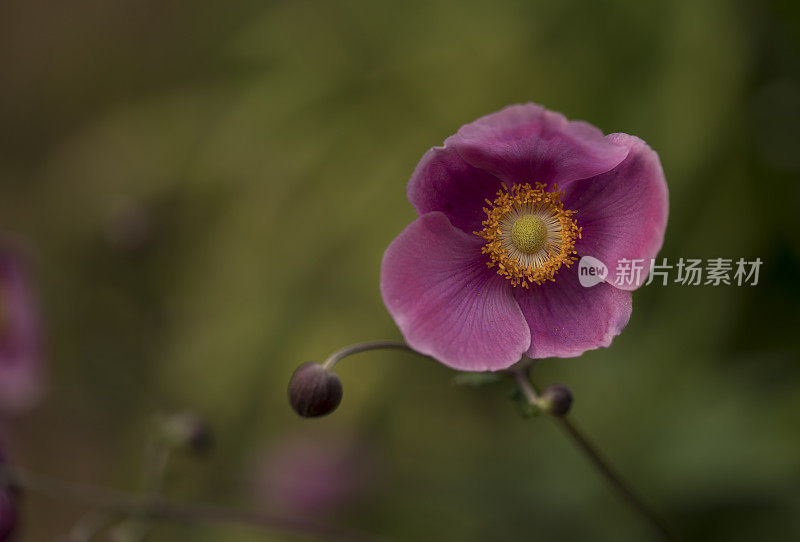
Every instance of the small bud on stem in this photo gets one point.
(555, 400)
(186, 430)
(314, 391)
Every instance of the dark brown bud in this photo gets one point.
(314, 391)
(556, 400)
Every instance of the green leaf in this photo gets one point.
(525, 409)
(476, 379)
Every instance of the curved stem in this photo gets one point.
(614, 478)
(136, 528)
(597, 460)
(339, 355)
(130, 504)
(520, 373)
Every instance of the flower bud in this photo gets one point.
(314, 391)
(187, 429)
(556, 400)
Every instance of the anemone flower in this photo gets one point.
(506, 207)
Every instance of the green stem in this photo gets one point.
(137, 528)
(90, 525)
(615, 480)
(339, 355)
(520, 372)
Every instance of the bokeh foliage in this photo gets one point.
(210, 186)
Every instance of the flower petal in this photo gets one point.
(567, 319)
(444, 182)
(528, 144)
(623, 212)
(446, 302)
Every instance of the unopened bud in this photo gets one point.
(187, 429)
(314, 391)
(555, 400)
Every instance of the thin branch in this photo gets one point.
(610, 474)
(131, 504)
(614, 478)
(334, 358)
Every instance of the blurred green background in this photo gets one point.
(210, 186)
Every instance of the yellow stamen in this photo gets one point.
(529, 235)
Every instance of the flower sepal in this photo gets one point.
(524, 407)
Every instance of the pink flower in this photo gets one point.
(309, 475)
(506, 207)
(21, 364)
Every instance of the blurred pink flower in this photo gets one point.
(21, 358)
(314, 474)
(506, 207)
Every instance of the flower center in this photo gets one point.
(529, 235)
